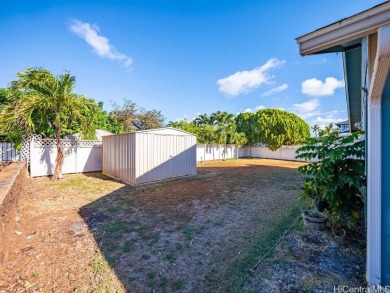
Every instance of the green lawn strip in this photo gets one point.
(235, 270)
(104, 276)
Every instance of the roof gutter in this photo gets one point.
(346, 30)
(374, 160)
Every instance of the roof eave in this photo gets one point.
(346, 30)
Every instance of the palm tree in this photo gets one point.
(316, 129)
(47, 100)
(226, 128)
(202, 120)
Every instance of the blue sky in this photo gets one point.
(183, 57)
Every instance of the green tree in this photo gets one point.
(217, 128)
(277, 127)
(246, 124)
(5, 97)
(46, 103)
(132, 117)
(203, 119)
(226, 128)
(101, 119)
(316, 129)
(14, 134)
(185, 126)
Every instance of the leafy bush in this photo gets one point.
(338, 176)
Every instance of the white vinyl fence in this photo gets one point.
(8, 152)
(209, 152)
(283, 153)
(86, 156)
(80, 156)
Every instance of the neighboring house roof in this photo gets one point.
(99, 134)
(345, 36)
(344, 126)
(342, 123)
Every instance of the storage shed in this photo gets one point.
(149, 155)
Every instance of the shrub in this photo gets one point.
(338, 176)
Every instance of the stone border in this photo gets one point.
(12, 180)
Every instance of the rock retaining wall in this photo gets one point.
(12, 180)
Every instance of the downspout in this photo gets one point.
(374, 156)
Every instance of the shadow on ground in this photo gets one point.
(194, 234)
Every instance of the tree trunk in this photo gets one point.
(60, 156)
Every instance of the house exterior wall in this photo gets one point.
(371, 30)
(386, 185)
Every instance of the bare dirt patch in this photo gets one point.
(199, 234)
(3, 165)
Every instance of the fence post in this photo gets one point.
(31, 156)
(76, 154)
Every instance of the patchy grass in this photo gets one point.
(177, 284)
(84, 184)
(194, 234)
(104, 276)
(128, 246)
(170, 257)
(114, 209)
(234, 271)
(190, 233)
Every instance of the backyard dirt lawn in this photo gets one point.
(88, 232)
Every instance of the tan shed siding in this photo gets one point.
(144, 157)
(119, 157)
(164, 156)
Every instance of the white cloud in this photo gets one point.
(275, 90)
(100, 44)
(307, 109)
(247, 81)
(308, 106)
(314, 87)
(323, 122)
(255, 109)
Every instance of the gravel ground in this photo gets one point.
(309, 261)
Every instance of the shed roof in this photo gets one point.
(166, 131)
